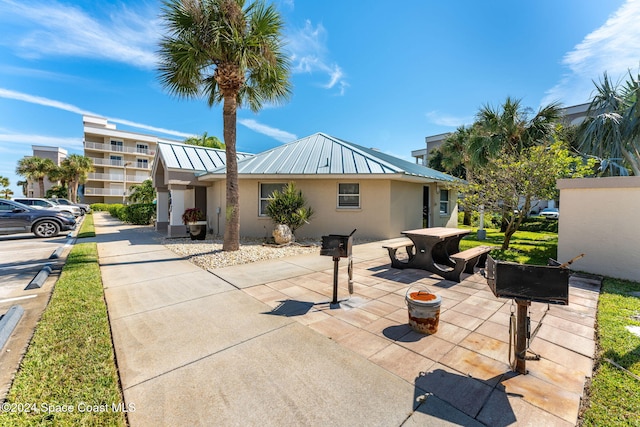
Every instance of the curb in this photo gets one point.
(40, 278)
(8, 323)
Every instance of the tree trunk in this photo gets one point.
(41, 186)
(232, 226)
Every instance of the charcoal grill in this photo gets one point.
(339, 246)
(526, 283)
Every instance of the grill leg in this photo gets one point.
(336, 260)
(521, 335)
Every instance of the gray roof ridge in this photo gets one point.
(363, 152)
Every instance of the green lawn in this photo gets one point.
(526, 247)
(614, 395)
(68, 376)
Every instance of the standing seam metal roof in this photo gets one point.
(193, 158)
(321, 154)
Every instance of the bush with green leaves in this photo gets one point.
(140, 213)
(289, 207)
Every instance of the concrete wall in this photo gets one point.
(599, 217)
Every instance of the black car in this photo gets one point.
(18, 218)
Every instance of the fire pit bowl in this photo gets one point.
(546, 284)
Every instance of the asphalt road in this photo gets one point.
(22, 259)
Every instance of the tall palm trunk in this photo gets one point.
(232, 227)
(41, 186)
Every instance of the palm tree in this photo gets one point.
(36, 169)
(611, 131)
(76, 169)
(4, 181)
(24, 185)
(6, 192)
(230, 54)
(508, 129)
(205, 141)
(143, 193)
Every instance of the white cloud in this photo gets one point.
(51, 141)
(308, 47)
(46, 102)
(614, 48)
(441, 119)
(55, 29)
(277, 134)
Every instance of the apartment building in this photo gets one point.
(120, 158)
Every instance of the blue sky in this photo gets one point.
(378, 73)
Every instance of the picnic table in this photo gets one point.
(437, 250)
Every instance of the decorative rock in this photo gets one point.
(283, 235)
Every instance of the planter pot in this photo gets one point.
(197, 230)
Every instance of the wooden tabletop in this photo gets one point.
(441, 232)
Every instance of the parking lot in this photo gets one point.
(29, 267)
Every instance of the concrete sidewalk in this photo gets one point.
(258, 344)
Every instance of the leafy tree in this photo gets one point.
(57, 191)
(205, 141)
(511, 182)
(611, 131)
(36, 169)
(142, 193)
(76, 170)
(289, 207)
(230, 54)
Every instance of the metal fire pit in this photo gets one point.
(526, 283)
(338, 246)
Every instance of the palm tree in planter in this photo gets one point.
(288, 210)
(196, 222)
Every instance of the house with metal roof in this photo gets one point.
(347, 185)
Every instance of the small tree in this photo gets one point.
(142, 193)
(289, 207)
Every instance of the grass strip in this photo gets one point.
(87, 229)
(68, 376)
(614, 394)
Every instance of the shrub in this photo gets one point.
(100, 207)
(140, 213)
(193, 215)
(288, 207)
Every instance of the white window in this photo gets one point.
(349, 195)
(115, 160)
(142, 148)
(266, 190)
(444, 201)
(116, 145)
(143, 163)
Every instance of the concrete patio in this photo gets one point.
(259, 344)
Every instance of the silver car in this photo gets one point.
(46, 204)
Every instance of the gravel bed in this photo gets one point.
(208, 253)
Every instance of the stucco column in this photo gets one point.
(162, 209)
(176, 227)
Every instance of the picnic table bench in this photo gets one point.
(437, 250)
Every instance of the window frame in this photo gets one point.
(445, 202)
(261, 199)
(343, 195)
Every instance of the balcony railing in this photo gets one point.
(118, 148)
(109, 162)
(113, 177)
(92, 191)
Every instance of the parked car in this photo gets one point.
(84, 208)
(46, 204)
(18, 218)
(550, 213)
